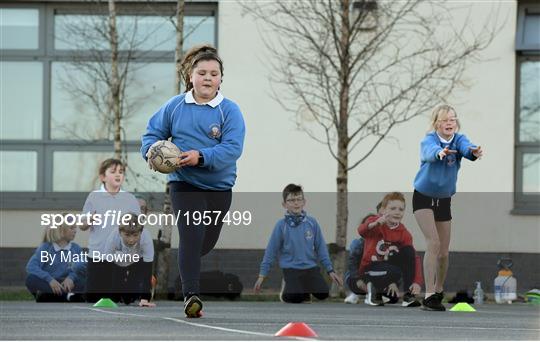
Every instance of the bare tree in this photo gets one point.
(115, 85)
(102, 59)
(355, 69)
(165, 233)
(179, 47)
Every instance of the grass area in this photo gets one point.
(15, 294)
(21, 293)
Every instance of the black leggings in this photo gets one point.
(196, 240)
(398, 266)
(300, 283)
(98, 280)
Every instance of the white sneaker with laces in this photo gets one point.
(352, 298)
(371, 296)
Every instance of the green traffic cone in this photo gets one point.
(105, 303)
(463, 307)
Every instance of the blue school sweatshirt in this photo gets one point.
(216, 129)
(59, 269)
(299, 247)
(437, 178)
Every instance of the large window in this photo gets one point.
(74, 116)
(19, 28)
(527, 172)
(21, 91)
(54, 129)
(19, 171)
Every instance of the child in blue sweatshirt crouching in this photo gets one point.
(298, 243)
(56, 272)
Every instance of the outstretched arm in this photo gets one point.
(468, 149)
(270, 254)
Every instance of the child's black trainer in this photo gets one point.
(433, 303)
(193, 306)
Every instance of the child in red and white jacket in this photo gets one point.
(389, 255)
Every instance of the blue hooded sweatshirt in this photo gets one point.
(216, 129)
(437, 178)
(298, 246)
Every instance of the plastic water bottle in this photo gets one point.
(498, 292)
(505, 287)
(509, 289)
(478, 294)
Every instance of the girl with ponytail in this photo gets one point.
(209, 129)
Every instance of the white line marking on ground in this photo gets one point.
(434, 327)
(216, 328)
(190, 323)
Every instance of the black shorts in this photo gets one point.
(440, 206)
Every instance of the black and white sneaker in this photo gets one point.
(388, 299)
(75, 297)
(193, 306)
(410, 301)
(433, 303)
(440, 295)
(372, 297)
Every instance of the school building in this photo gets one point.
(52, 138)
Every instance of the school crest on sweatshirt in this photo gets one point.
(215, 131)
(450, 159)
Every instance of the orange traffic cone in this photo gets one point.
(298, 329)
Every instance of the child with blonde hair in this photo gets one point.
(441, 152)
(52, 274)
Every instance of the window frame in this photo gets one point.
(523, 8)
(524, 204)
(40, 51)
(40, 160)
(45, 101)
(44, 198)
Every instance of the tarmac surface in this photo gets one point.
(225, 320)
